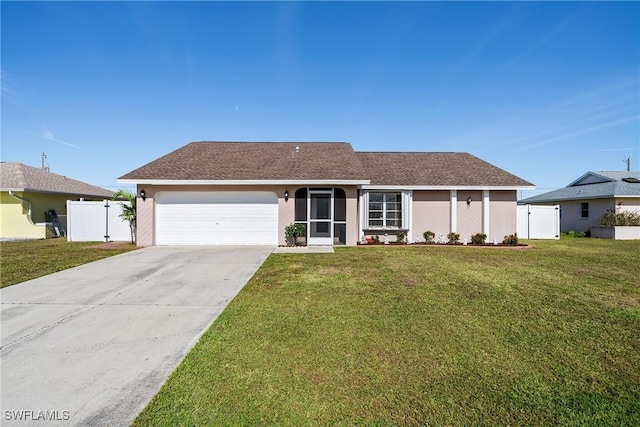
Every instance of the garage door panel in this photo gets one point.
(216, 218)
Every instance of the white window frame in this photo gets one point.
(583, 209)
(405, 207)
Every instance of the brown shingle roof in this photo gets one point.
(438, 169)
(20, 177)
(255, 161)
(238, 161)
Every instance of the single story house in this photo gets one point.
(589, 197)
(247, 192)
(27, 194)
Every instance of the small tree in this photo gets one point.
(128, 210)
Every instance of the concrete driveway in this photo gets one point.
(92, 345)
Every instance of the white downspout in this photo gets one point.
(24, 201)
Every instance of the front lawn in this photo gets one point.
(27, 260)
(422, 336)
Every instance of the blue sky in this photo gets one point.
(544, 90)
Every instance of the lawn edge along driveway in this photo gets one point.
(96, 342)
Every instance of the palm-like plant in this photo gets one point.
(128, 209)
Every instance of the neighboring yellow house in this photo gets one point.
(27, 194)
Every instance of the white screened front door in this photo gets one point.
(216, 218)
(320, 217)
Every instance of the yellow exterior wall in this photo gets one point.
(14, 214)
(14, 219)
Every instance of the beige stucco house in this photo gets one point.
(248, 192)
(589, 197)
(27, 194)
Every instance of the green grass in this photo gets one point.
(422, 336)
(27, 260)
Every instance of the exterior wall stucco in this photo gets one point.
(14, 220)
(570, 214)
(503, 215)
(469, 216)
(570, 211)
(430, 212)
(286, 209)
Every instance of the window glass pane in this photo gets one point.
(301, 205)
(376, 197)
(395, 223)
(385, 210)
(320, 229)
(339, 205)
(339, 234)
(320, 206)
(584, 210)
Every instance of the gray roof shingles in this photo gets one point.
(20, 177)
(321, 161)
(614, 188)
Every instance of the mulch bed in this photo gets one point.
(454, 245)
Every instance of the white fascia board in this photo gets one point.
(243, 182)
(444, 187)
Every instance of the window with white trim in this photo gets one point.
(584, 210)
(384, 210)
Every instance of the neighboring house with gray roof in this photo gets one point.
(27, 194)
(587, 198)
(248, 192)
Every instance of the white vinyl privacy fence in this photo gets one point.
(538, 222)
(96, 221)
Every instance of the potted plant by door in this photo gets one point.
(292, 232)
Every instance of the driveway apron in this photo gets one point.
(92, 345)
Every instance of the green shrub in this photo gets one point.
(429, 236)
(453, 237)
(572, 234)
(400, 237)
(478, 238)
(511, 240)
(616, 218)
(292, 231)
(376, 239)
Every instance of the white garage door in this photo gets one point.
(216, 218)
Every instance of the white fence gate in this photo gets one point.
(538, 222)
(96, 221)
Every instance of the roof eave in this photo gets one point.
(572, 199)
(447, 187)
(36, 190)
(244, 181)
